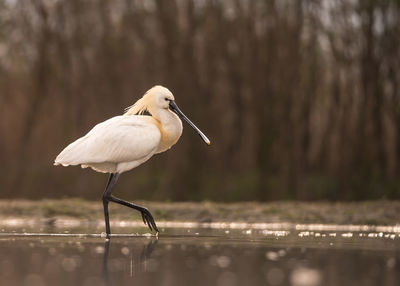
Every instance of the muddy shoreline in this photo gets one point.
(365, 213)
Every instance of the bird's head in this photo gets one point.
(162, 96)
(157, 97)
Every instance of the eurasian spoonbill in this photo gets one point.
(123, 142)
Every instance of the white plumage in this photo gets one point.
(115, 145)
(124, 142)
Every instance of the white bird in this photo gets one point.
(122, 143)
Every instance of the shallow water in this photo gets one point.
(198, 256)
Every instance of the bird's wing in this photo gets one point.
(119, 139)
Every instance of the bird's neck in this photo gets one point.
(170, 128)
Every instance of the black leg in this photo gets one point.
(108, 197)
(146, 215)
(107, 193)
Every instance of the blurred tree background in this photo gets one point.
(300, 99)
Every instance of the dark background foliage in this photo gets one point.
(300, 98)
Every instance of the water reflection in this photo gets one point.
(106, 274)
(136, 265)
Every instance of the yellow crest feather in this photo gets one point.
(140, 106)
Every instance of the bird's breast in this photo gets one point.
(170, 134)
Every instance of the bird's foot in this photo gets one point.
(105, 235)
(149, 220)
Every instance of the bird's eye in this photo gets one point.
(166, 99)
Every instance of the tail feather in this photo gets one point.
(71, 155)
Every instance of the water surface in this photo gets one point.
(198, 256)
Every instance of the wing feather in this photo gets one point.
(119, 139)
